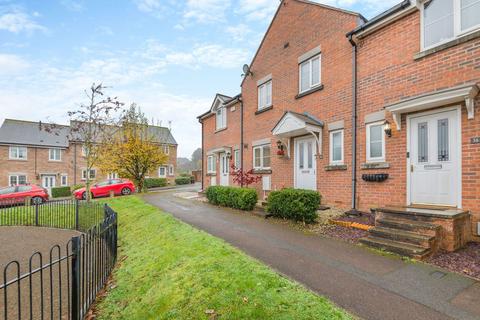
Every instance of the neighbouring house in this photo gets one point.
(52, 158)
(375, 114)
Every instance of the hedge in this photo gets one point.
(59, 192)
(183, 180)
(294, 204)
(155, 182)
(237, 198)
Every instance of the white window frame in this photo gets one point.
(52, 152)
(262, 167)
(213, 167)
(237, 161)
(18, 148)
(309, 61)
(17, 176)
(457, 25)
(66, 180)
(165, 170)
(341, 161)
(84, 174)
(221, 123)
(112, 175)
(375, 159)
(84, 151)
(170, 170)
(166, 149)
(263, 102)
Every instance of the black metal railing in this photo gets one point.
(65, 284)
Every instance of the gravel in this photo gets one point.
(465, 261)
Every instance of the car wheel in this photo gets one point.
(126, 191)
(37, 200)
(84, 196)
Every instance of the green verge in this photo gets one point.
(169, 270)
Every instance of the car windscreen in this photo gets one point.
(7, 190)
(24, 188)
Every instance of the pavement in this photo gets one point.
(367, 284)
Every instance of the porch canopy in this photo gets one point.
(462, 94)
(294, 124)
(223, 149)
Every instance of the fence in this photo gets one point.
(64, 284)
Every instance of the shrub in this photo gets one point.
(76, 187)
(237, 198)
(155, 182)
(294, 204)
(183, 180)
(61, 192)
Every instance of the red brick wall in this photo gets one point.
(304, 27)
(388, 73)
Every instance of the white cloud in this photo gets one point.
(211, 55)
(239, 32)
(73, 5)
(257, 9)
(11, 64)
(206, 11)
(148, 5)
(17, 21)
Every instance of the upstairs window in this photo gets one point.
(310, 73)
(166, 149)
(18, 153)
(261, 157)
(444, 20)
(55, 154)
(221, 118)
(265, 95)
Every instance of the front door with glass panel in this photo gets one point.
(49, 182)
(224, 169)
(305, 163)
(434, 159)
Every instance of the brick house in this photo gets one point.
(372, 114)
(29, 154)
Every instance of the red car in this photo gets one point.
(103, 189)
(18, 194)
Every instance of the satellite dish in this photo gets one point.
(246, 70)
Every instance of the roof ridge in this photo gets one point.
(33, 122)
(326, 6)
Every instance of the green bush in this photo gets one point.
(294, 204)
(76, 187)
(237, 198)
(183, 180)
(59, 192)
(155, 182)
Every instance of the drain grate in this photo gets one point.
(438, 274)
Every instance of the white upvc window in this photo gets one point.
(64, 180)
(18, 153)
(84, 151)
(310, 73)
(336, 147)
(236, 159)
(221, 118)
(375, 142)
(166, 149)
(444, 20)
(261, 157)
(17, 179)
(112, 175)
(265, 95)
(162, 172)
(55, 154)
(92, 174)
(170, 170)
(211, 164)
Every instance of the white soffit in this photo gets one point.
(465, 93)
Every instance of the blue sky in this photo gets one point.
(169, 56)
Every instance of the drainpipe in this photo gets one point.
(241, 137)
(354, 124)
(203, 155)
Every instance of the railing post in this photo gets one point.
(76, 214)
(36, 214)
(75, 267)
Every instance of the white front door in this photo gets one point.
(434, 159)
(49, 182)
(305, 163)
(224, 169)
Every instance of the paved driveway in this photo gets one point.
(368, 285)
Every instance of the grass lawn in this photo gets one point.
(169, 270)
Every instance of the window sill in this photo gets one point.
(211, 174)
(309, 91)
(374, 165)
(55, 161)
(262, 171)
(10, 159)
(449, 44)
(336, 167)
(264, 110)
(220, 130)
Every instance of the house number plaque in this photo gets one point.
(475, 140)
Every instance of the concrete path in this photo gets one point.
(366, 284)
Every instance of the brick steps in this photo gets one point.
(418, 226)
(399, 235)
(401, 248)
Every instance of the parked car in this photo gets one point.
(103, 189)
(18, 194)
